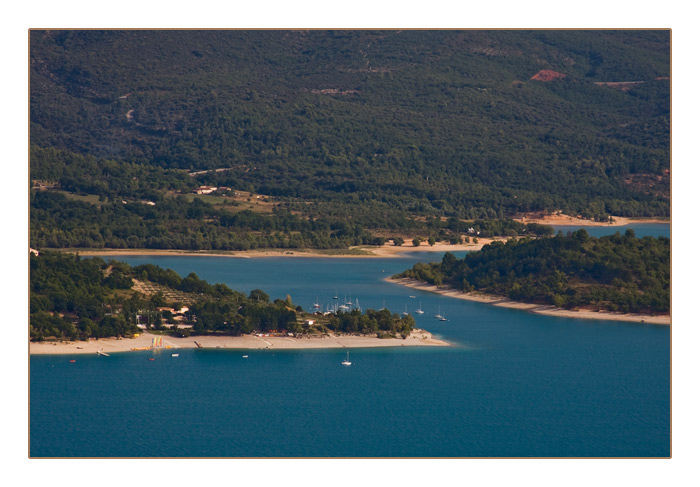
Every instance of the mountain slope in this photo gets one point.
(440, 123)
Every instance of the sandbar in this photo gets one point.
(418, 338)
(533, 308)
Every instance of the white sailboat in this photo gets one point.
(347, 360)
(420, 309)
(405, 310)
(438, 315)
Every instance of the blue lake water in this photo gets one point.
(640, 229)
(514, 384)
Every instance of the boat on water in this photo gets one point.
(420, 311)
(175, 355)
(245, 356)
(316, 305)
(442, 318)
(438, 315)
(405, 311)
(347, 360)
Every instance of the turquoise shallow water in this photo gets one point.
(514, 385)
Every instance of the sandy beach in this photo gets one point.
(562, 219)
(418, 338)
(384, 251)
(534, 308)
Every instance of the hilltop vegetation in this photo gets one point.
(616, 273)
(372, 129)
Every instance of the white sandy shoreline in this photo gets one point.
(418, 338)
(534, 308)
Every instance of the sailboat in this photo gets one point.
(347, 360)
(438, 315)
(405, 311)
(316, 305)
(420, 309)
(442, 318)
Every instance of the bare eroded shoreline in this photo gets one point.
(385, 251)
(418, 338)
(534, 308)
(562, 219)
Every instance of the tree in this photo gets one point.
(259, 295)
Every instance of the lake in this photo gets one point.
(514, 384)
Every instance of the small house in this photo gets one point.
(206, 189)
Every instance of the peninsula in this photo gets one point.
(618, 277)
(89, 304)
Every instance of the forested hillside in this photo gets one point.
(617, 272)
(363, 127)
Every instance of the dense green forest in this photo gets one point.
(365, 132)
(617, 272)
(74, 298)
(106, 204)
